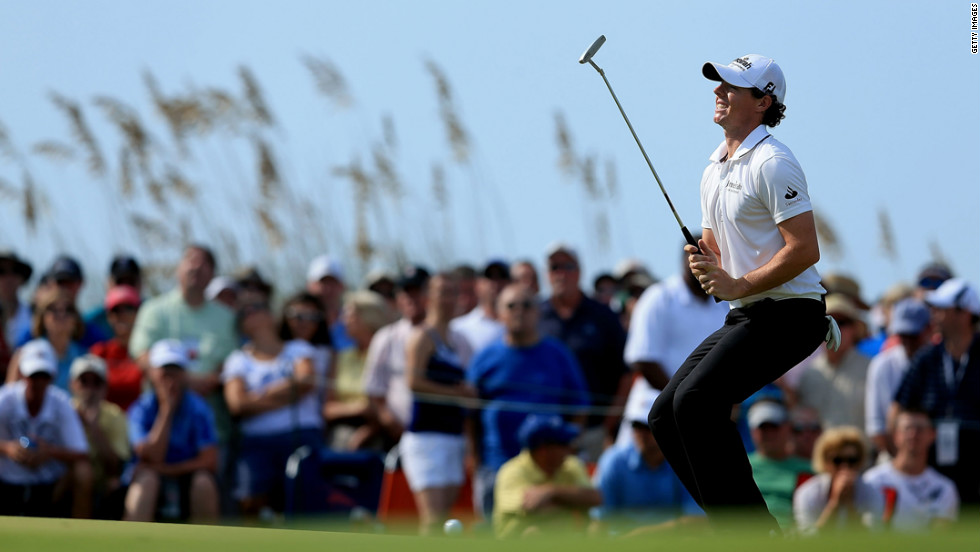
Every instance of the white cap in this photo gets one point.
(324, 266)
(88, 364)
(168, 352)
(38, 356)
(639, 411)
(955, 293)
(217, 285)
(750, 71)
(561, 247)
(767, 412)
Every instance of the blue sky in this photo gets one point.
(882, 100)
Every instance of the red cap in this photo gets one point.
(122, 295)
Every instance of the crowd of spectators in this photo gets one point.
(189, 405)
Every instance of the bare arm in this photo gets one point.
(242, 402)
(206, 460)
(13, 368)
(800, 252)
(154, 448)
(653, 372)
(419, 350)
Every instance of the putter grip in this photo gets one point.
(691, 241)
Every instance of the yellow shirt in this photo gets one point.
(515, 477)
(112, 422)
(349, 386)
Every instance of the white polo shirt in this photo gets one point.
(885, 373)
(742, 201)
(667, 324)
(480, 330)
(919, 499)
(56, 424)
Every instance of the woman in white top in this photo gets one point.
(269, 386)
(837, 497)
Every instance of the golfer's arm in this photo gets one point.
(800, 252)
(653, 372)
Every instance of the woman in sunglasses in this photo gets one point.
(57, 320)
(837, 497)
(269, 386)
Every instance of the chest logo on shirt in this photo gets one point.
(733, 186)
(790, 193)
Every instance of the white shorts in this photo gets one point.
(432, 459)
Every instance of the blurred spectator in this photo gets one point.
(595, 337)
(43, 452)
(917, 497)
(325, 280)
(541, 488)
(930, 278)
(125, 378)
(481, 326)
(806, 430)
(669, 321)
(57, 321)
(776, 470)
(123, 271)
(384, 369)
(834, 383)
(433, 447)
(605, 288)
(252, 287)
(351, 422)
(270, 386)
(517, 376)
(882, 312)
(837, 497)
(14, 273)
(206, 329)
(910, 323)
(383, 284)
(523, 272)
(105, 430)
(303, 319)
(466, 277)
(224, 290)
(631, 289)
(637, 484)
(64, 274)
(173, 435)
(944, 381)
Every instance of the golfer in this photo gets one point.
(758, 249)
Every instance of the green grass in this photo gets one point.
(63, 535)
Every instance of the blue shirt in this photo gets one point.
(635, 494)
(339, 337)
(191, 431)
(595, 336)
(518, 381)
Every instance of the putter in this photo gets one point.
(587, 58)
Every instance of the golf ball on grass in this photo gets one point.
(452, 527)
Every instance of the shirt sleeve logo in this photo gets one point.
(790, 193)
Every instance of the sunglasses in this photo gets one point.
(304, 316)
(525, 304)
(556, 267)
(849, 460)
(121, 309)
(252, 309)
(90, 380)
(62, 311)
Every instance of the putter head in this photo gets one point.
(587, 56)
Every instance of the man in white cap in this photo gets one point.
(910, 323)
(637, 484)
(944, 381)
(325, 280)
(758, 249)
(173, 435)
(776, 470)
(106, 431)
(43, 451)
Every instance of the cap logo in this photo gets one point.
(743, 62)
(769, 88)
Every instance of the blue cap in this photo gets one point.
(539, 429)
(65, 268)
(909, 317)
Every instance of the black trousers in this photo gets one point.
(691, 419)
